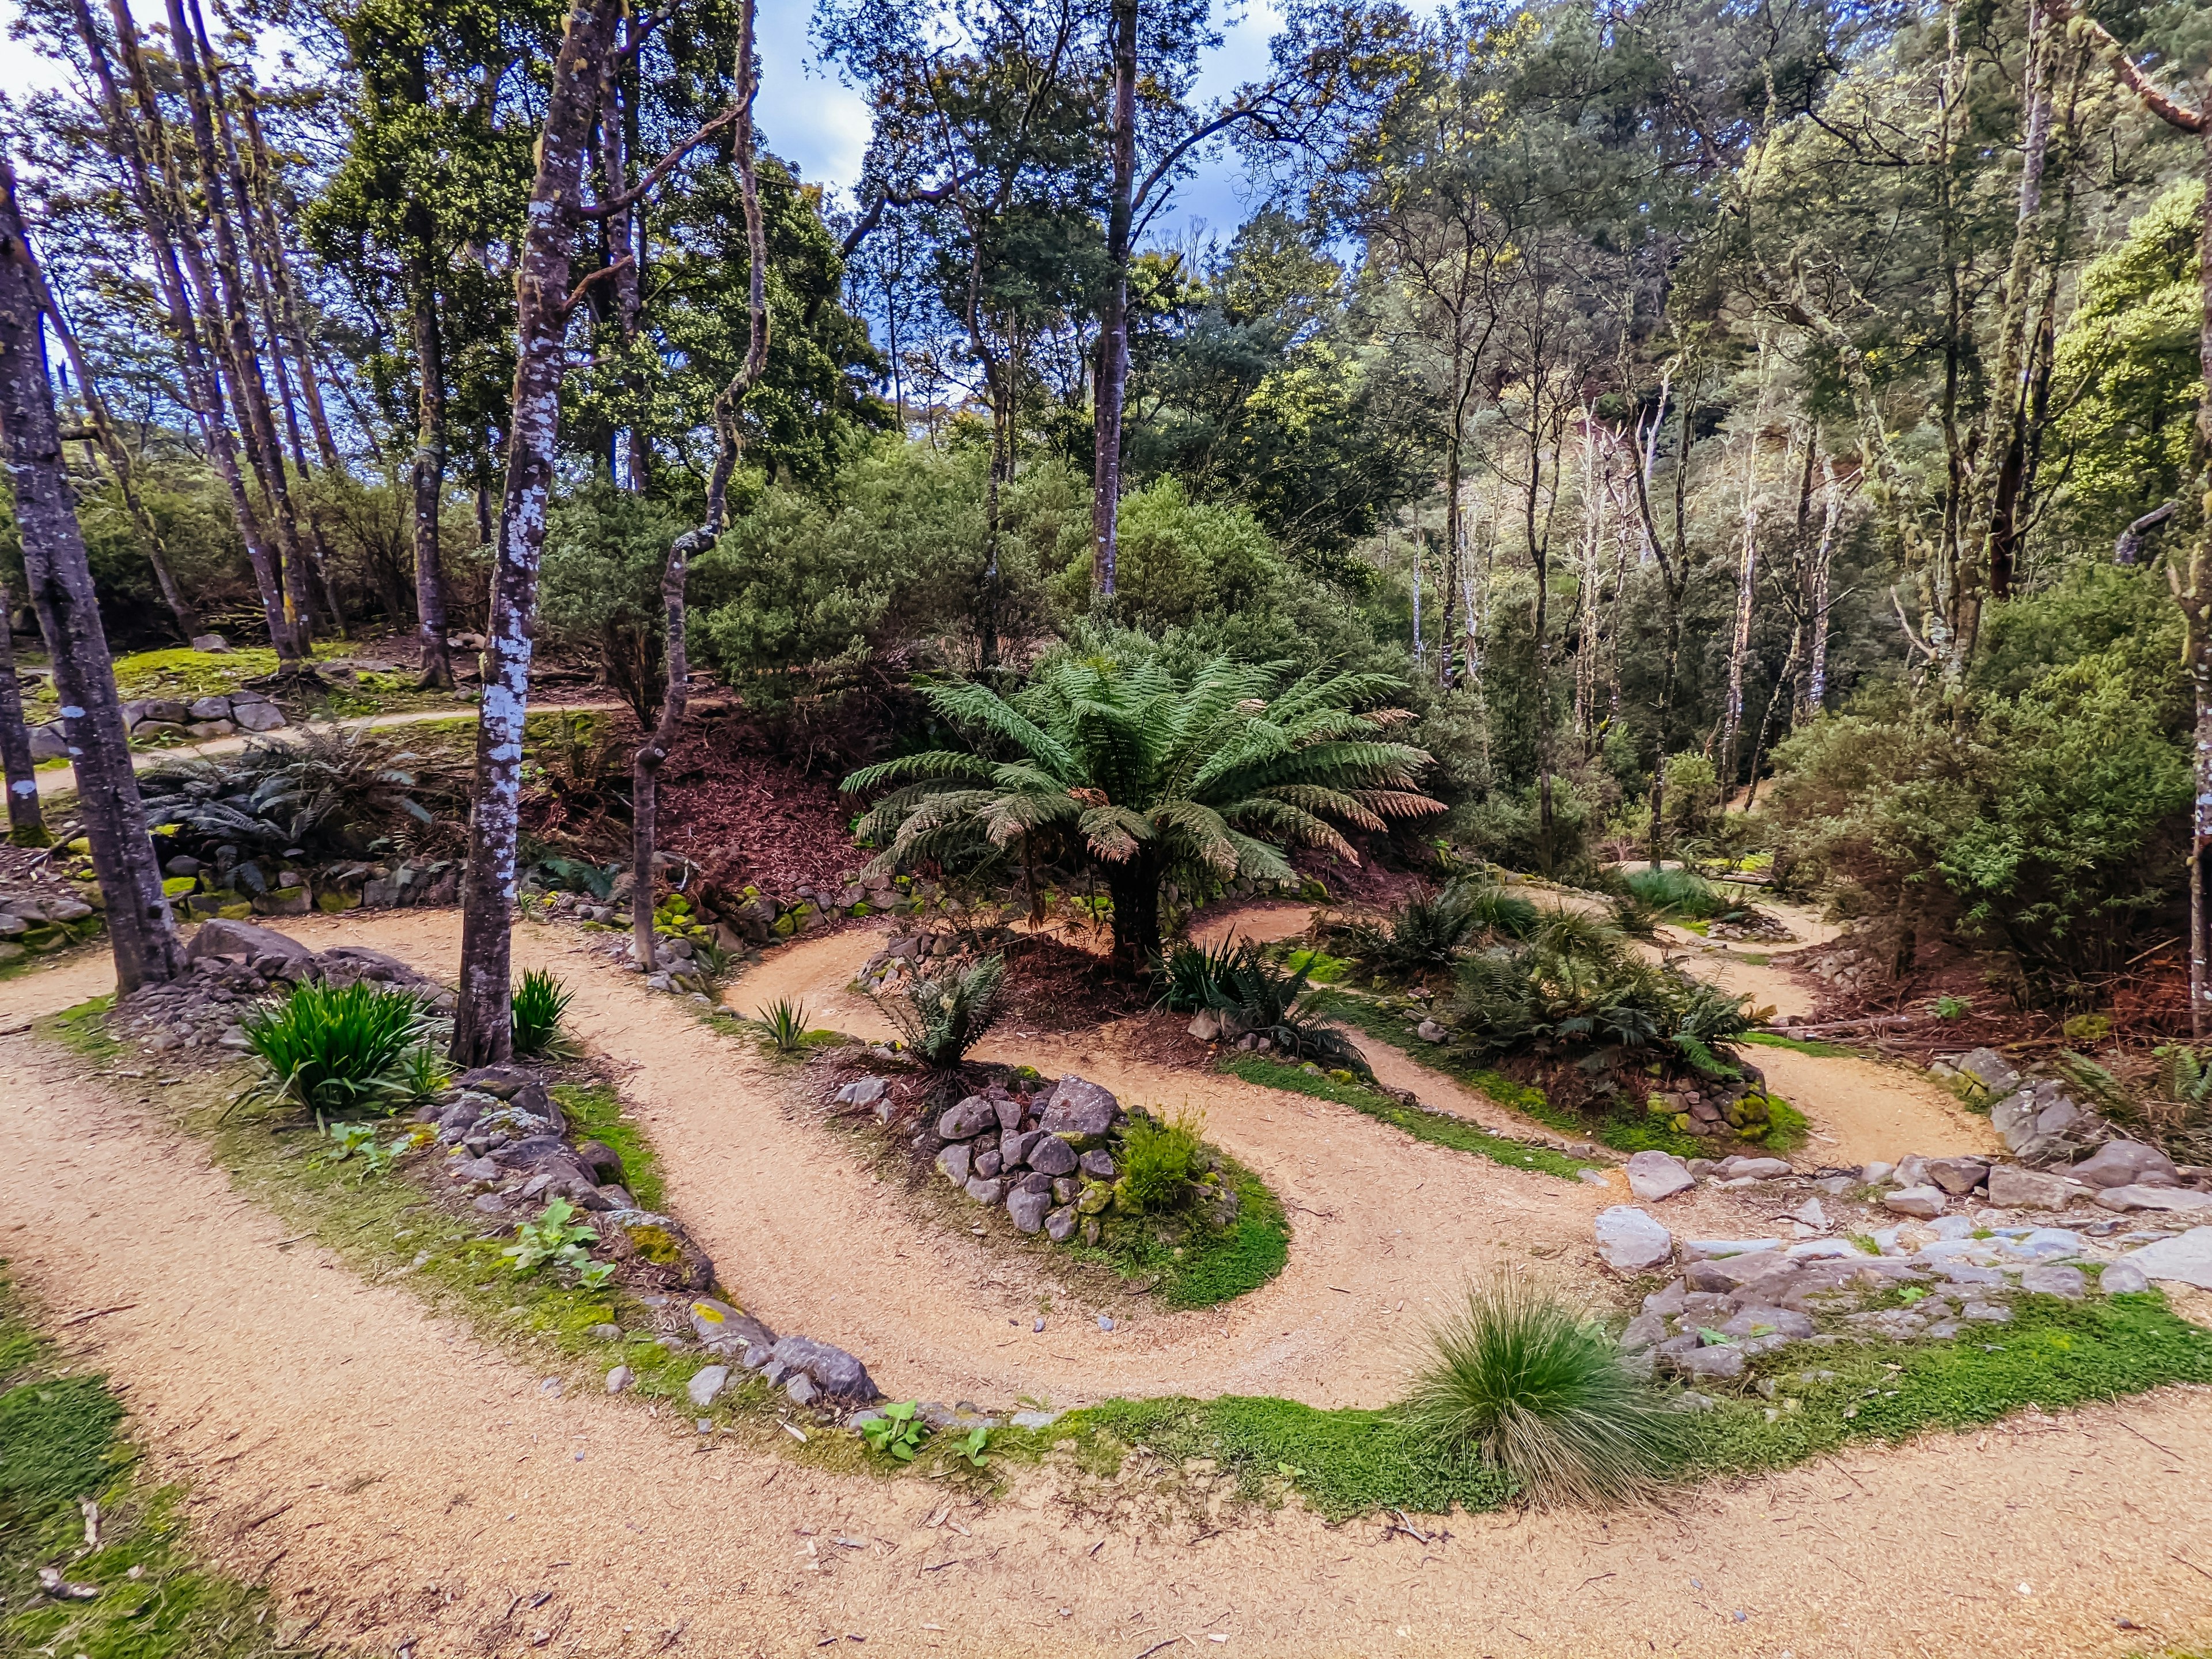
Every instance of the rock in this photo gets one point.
(2012, 1188)
(489, 1204)
(953, 1163)
(2187, 1258)
(1428, 1032)
(169, 711)
(2049, 1244)
(209, 708)
(968, 1119)
(1094, 1199)
(1050, 1155)
(2154, 1198)
(214, 644)
(1027, 1209)
(1014, 1146)
(2121, 1164)
(1060, 1224)
(1010, 1113)
(986, 1191)
(658, 1248)
(1958, 1176)
(205, 729)
(1990, 1069)
(620, 1378)
(1205, 1024)
(1078, 1110)
(1723, 1361)
(1098, 1166)
(1729, 1274)
(258, 716)
(707, 1384)
(832, 1371)
(1655, 1176)
(1630, 1242)
(1952, 1227)
(1810, 1214)
(47, 744)
(863, 1091)
(1714, 1250)
(2122, 1278)
(1756, 1322)
(1875, 1173)
(723, 1330)
(476, 1171)
(1986, 1312)
(1646, 1330)
(1752, 1169)
(602, 1160)
(988, 1163)
(2054, 1278)
(219, 937)
(1923, 1202)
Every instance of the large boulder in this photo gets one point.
(217, 937)
(1078, 1110)
(1630, 1242)
(258, 716)
(2122, 1164)
(1653, 1176)
(2170, 1199)
(1958, 1176)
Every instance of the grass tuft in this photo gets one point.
(540, 1004)
(338, 1049)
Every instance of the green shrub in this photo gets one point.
(1265, 1001)
(1158, 1163)
(339, 1048)
(1427, 928)
(942, 1019)
(1676, 891)
(1538, 1388)
(539, 1003)
(1192, 976)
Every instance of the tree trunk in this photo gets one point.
(652, 754)
(1113, 310)
(27, 823)
(430, 475)
(483, 1020)
(1135, 890)
(139, 927)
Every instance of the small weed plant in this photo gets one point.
(1950, 1007)
(898, 1432)
(785, 1022)
(1537, 1388)
(556, 1236)
(1159, 1161)
(540, 1002)
(339, 1049)
(974, 1449)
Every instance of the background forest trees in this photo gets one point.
(1685, 401)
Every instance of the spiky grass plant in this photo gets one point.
(1536, 1387)
(1430, 925)
(785, 1022)
(1281, 1006)
(539, 1003)
(1675, 892)
(337, 1049)
(1193, 974)
(943, 1018)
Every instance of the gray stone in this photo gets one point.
(706, 1384)
(2122, 1164)
(1014, 1146)
(1952, 1228)
(1079, 1110)
(1958, 1176)
(2122, 1278)
(1655, 1176)
(2055, 1279)
(602, 1160)
(1713, 1249)
(258, 716)
(2175, 1199)
(1628, 1241)
(209, 708)
(2012, 1188)
(476, 1171)
(605, 1332)
(2057, 1118)
(1768, 1322)
(1027, 1209)
(1986, 1312)
(968, 1119)
(47, 744)
(2187, 1258)
(1810, 1214)
(1991, 1069)
(800, 1387)
(1059, 1224)
(214, 644)
(1752, 1169)
(1205, 1024)
(489, 1204)
(1646, 1330)
(984, 1191)
(217, 937)
(2049, 1243)
(1032, 1419)
(1097, 1166)
(988, 1163)
(1010, 1113)
(953, 1163)
(1923, 1202)
(1428, 1032)
(723, 1329)
(1875, 1173)
(1725, 1360)
(1066, 1190)
(863, 1091)
(620, 1378)
(833, 1371)
(1051, 1155)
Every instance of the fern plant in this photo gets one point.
(1429, 926)
(1279, 1004)
(941, 1018)
(1109, 758)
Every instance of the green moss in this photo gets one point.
(83, 1028)
(1799, 1045)
(1190, 1264)
(1439, 1128)
(596, 1112)
(61, 1442)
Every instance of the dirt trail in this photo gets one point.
(403, 1486)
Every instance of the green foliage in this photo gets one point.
(785, 1022)
(1158, 1163)
(338, 1049)
(1176, 559)
(594, 1113)
(1267, 1001)
(1950, 1007)
(540, 1001)
(1428, 927)
(1537, 1387)
(943, 1018)
(973, 1450)
(1192, 976)
(898, 1432)
(606, 550)
(1120, 762)
(1674, 891)
(558, 1237)
(1438, 1128)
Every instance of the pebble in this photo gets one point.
(1105, 1321)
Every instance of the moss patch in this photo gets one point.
(1798, 1045)
(1439, 1128)
(595, 1110)
(61, 1442)
(1201, 1266)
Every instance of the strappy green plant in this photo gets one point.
(1126, 767)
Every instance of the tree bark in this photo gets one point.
(1114, 311)
(1674, 580)
(428, 473)
(483, 1020)
(652, 754)
(1134, 887)
(27, 822)
(139, 927)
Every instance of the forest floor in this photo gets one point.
(390, 1471)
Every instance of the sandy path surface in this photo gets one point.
(408, 1488)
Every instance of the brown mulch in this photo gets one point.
(747, 816)
(1051, 986)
